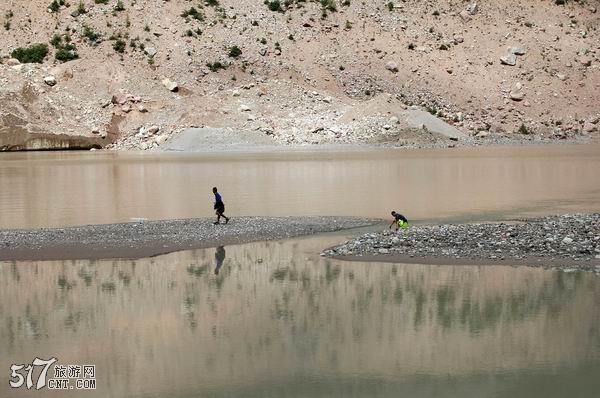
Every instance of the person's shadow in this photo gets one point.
(219, 258)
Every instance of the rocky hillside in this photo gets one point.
(132, 73)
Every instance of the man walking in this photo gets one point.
(219, 207)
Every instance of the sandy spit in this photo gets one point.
(151, 238)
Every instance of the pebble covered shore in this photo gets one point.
(149, 238)
(570, 239)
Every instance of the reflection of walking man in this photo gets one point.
(219, 257)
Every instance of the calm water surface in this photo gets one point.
(279, 321)
(275, 319)
(74, 188)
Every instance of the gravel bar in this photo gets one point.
(151, 238)
(566, 241)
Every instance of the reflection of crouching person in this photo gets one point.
(399, 220)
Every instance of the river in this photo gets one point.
(50, 189)
(274, 319)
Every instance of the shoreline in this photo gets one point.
(532, 261)
(563, 242)
(349, 148)
(469, 142)
(152, 238)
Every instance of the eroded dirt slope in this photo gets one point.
(308, 72)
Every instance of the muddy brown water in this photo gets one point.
(275, 319)
(41, 189)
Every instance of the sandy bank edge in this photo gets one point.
(151, 238)
(532, 261)
(568, 241)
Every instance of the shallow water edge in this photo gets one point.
(151, 238)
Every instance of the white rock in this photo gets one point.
(161, 139)
(392, 66)
(517, 50)
(119, 99)
(472, 8)
(150, 51)
(585, 61)
(50, 80)
(589, 127)
(517, 95)
(465, 16)
(170, 85)
(244, 108)
(153, 129)
(567, 240)
(383, 251)
(509, 59)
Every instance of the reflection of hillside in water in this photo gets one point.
(275, 311)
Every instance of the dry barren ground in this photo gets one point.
(298, 72)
